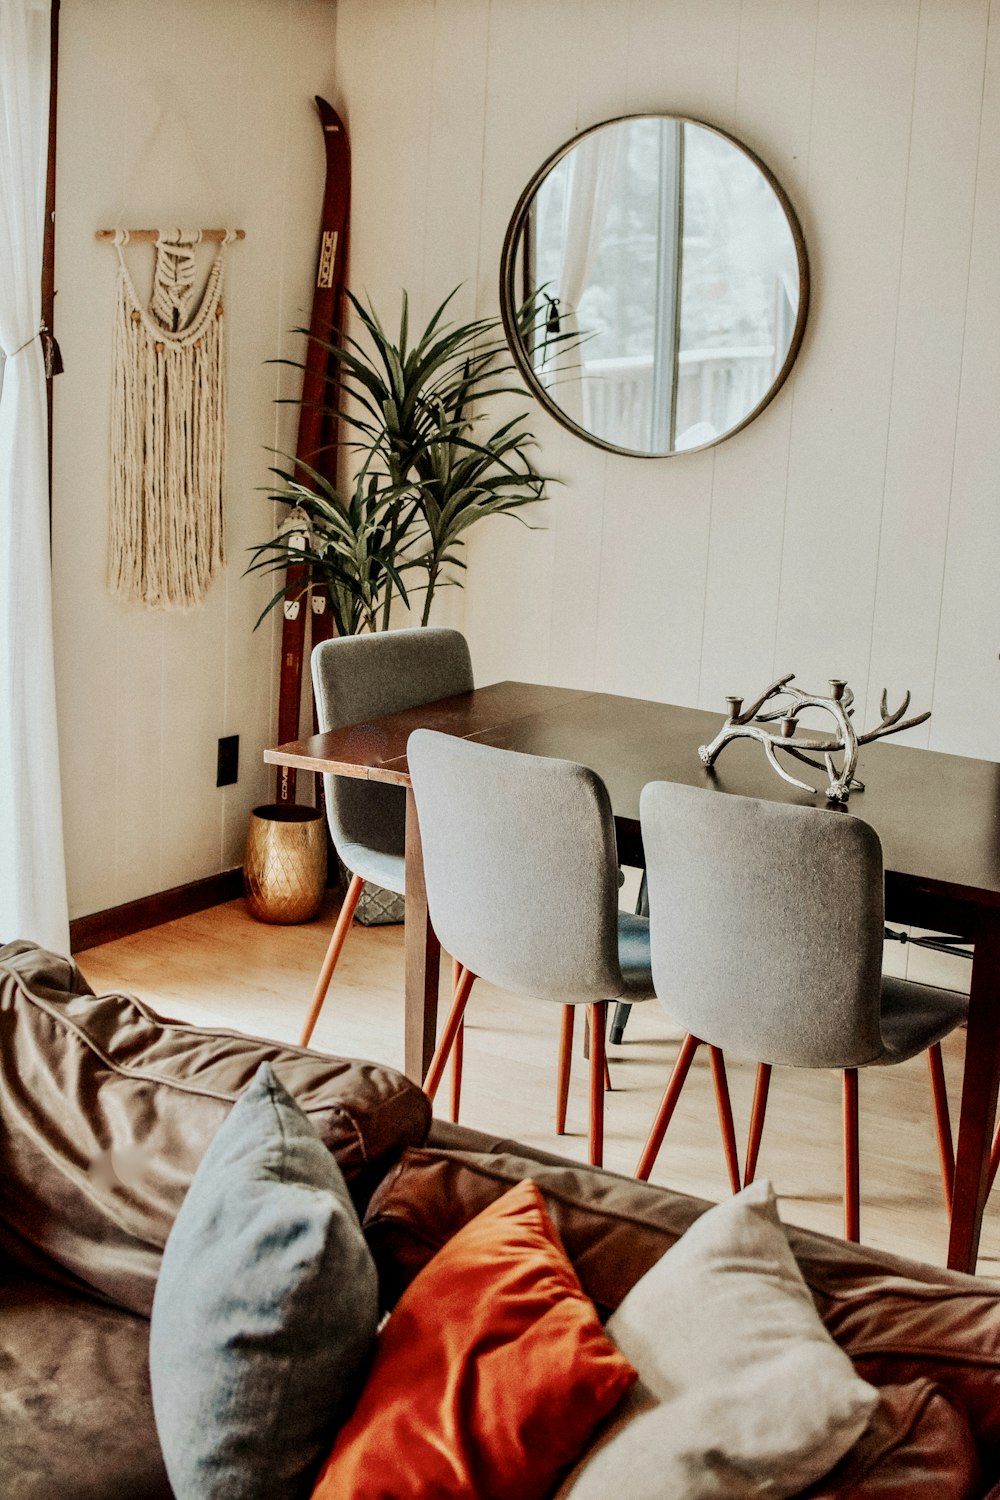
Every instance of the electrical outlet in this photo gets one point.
(228, 769)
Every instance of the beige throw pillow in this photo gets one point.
(742, 1390)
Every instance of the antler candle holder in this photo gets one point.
(750, 723)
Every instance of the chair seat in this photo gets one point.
(633, 956)
(915, 1016)
(383, 867)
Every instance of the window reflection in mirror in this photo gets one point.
(666, 272)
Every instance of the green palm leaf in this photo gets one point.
(429, 462)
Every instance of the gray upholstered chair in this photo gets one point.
(766, 926)
(521, 870)
(364, 677)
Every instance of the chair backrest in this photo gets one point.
(521, 866)
(766, 925)
(363, 677)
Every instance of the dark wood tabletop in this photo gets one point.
(937, 815)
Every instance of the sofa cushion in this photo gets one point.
(490, 1375)
(899, 1320)
(918, 1443)
(265, 1310)
(751, 1396)
(76, 1418)
(106, 1110)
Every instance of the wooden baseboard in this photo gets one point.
(150, 911)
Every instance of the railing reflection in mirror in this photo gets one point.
(715, 390)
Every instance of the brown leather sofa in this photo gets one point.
(105, 1110)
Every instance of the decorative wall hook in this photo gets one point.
(751, 723)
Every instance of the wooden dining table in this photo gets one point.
(937, 815)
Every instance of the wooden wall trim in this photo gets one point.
(150, 911)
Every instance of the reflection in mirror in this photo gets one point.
(665, 275)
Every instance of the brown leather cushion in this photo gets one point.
(106, 1110)
(76, 1419)
(899, 1321)
(918, 1443)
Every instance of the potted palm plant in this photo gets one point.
(427, 461)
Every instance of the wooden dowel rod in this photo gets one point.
(217, 235)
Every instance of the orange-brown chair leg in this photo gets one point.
(994, 1159)
(668, 1104)
(586, 1049)
(458, 1051)
(852, 1176)
(757, 1114)
(942, 1119)
(457, 1054)
(724, 1105)
(598, 1023)
(565, 1063)
(459, 1001)
(340, 931)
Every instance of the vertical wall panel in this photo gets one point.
(683, 58)
(599, 56)
(454, 158)
(649, 628)
(283, 166)
(177, 113)
(856, 186)
(816, 539)
(88, 671)
(576, 515)
(774, 116)
(927, 362)
(966, 685)
(188, 172)
(851, 529)
(530, 107)
(388, 111)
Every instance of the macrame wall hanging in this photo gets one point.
(168, 427)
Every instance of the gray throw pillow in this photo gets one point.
(265, 1309)
(742, 1392)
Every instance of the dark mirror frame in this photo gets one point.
(510, 302)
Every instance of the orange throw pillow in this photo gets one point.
(489, 1377)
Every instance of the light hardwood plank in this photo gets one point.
(220, 967)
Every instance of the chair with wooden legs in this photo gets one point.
(365, 677)
(766, 928)
(521, 870)
(452, 1046)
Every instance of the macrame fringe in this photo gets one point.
(168, 441)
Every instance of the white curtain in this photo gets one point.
(597, 163)
(32, 864)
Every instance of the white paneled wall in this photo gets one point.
(188, 112)
(854, 528)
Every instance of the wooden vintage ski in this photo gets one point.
(316, 440)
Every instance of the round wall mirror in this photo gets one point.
(654, 285)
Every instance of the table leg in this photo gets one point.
(422, 955)
(979, 1100)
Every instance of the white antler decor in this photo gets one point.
(750, 723)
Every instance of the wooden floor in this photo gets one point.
(221, 967)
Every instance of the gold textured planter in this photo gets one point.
(284, 870)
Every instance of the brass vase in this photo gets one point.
(284, 869)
